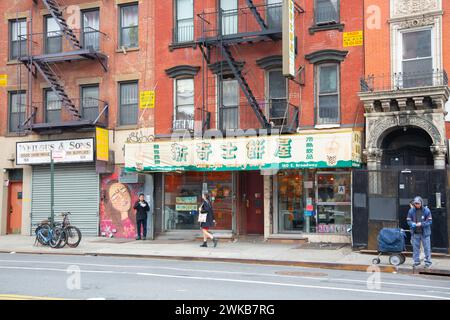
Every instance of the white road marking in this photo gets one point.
(235, 280)
(230, 272)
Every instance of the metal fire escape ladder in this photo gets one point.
(256, 14)
(56, 12)
(50, 76)
(244, 85)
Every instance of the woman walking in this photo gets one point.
(206, 208)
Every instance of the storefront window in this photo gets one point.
(182, 197)
(295, 198)
(333, 202)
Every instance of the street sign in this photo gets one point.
(58, 155)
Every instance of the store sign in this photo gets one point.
(353, 39)
(38, 152)
(306, 150)
(102, 137)
(186, 204)
(288, 38)
(3, 80)
(147, 99)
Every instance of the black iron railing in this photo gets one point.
(399, 81)
(239, 22)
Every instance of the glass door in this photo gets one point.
(229, 14)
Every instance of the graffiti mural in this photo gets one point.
(117, 216)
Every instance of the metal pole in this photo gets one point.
(52, 187)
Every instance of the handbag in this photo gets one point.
(202, 214)
(202, 217)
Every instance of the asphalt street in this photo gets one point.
(91, 277)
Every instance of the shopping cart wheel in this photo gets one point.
(376, 260)
(403, 257)
(395, 259)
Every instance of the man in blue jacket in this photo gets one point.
(419, 221)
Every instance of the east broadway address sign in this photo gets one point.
(38, 152)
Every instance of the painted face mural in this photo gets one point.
(117, 217)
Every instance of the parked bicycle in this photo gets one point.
(71, 234)
(58, 234)
(48, 234)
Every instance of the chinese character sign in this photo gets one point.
(309, 150)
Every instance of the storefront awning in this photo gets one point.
(331, 149)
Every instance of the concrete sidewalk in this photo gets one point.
(240, 251)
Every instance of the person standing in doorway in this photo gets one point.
(419, 220)
(141, 206)
(206, 208)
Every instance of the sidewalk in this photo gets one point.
(241, 252)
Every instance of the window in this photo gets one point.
(129, 26)
(229, 106)
(128, 103)
(52, 107)
(274, 14)
(328, 94)
(89, 102)
(184, 21)
(327, 11)
(229, 10)
(184, 105)
(333, 202)
(18, 38)
(91, 27)
(277, 96)
(417, 59)
(53, 36)
(17, 106)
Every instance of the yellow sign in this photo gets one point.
(147, 100)
(353, 39)
(102, 137)
(288, 38)
(3, 80)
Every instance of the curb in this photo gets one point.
(304, 264)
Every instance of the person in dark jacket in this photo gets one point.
(206, 207)
(419, 220)
(141, 206)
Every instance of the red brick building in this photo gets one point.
(214, 60)
(70, 67)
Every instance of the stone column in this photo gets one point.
(374, 156)
(439, 154)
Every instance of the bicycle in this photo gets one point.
(48, 234)
(71, 234)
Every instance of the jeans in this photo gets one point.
(143, 223)
(426, 242)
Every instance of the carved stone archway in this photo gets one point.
(379, 127)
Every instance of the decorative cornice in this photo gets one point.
(326, 55)
(411, 7)
(222, 67)
(270, 62)
(182, 71)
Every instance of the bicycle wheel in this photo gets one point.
(73, 236)
(63, 237)
(42, 232)
(56, 234)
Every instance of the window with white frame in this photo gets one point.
(18, 38)
(328, 88)
(17, 108)
(184, 21)
(129, 26)
(52, 106)
(417, 58)
(129, 103)
(184, 104)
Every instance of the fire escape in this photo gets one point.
(223, 31)
(40, 61)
